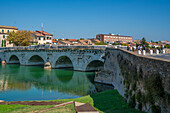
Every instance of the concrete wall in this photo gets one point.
(143, 81)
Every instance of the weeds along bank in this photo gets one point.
(143, 81)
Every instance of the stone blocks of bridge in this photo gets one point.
(79, 58)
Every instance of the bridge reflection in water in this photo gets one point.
(19, 83)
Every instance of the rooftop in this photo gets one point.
(41, 33)
(114, 35)
(8, 27)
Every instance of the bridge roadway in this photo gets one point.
(81, 58)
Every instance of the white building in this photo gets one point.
(41, 37)
(4, 30)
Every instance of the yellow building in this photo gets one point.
(3, 35)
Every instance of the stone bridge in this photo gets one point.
(78, 59)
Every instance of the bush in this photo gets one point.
(134, 86)
(116, 44)
(156, 109)
(140, 106)
(126, 93)
(138, 96)
(132, 101)
(130, 92)
(100, 43)
(124, 44)
(167, 46)
(81, 38)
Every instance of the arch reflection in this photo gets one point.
(38, 80)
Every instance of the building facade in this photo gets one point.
(3, 35)
(112, 38)
(41, 37)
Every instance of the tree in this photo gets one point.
(20, 38)
(81, 38)
(2, 43)
(116, 43)
(144, 43)
(100, 43)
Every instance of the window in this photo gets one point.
(2, 31)
(3, 36)
(39, 38)
(44, 38)
(8, 31)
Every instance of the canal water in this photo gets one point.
(21, 83)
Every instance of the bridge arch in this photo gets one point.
(63, 62)
(13, 59)
(36, 60)
(95, 65)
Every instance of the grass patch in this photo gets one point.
(105, 102)
(9, 108)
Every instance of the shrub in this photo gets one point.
(156, 109)
(134, 86)
(140, 106)
(138, 96)
(132, 101)
(130, 92)
(100, 43)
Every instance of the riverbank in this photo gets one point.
(109, 101)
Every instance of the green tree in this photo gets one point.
(81, 38)
(20, 38)
(167, 46)
(116, 43)
(144, 43)
(100, 43)
(2, 43)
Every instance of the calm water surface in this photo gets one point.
(18, 83)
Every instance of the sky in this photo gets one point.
(87, 18)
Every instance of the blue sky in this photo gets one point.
(86, 18)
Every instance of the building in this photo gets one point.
(111, 38)
(137, 41)
(3, 35)
(41, 37)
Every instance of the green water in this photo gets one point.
(18, 83)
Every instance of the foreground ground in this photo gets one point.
(106, 102)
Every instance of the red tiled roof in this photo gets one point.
(43, 33)
(148, 43)
(73, 40)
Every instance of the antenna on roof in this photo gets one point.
(42, 26)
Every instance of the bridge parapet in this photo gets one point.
(37, 47)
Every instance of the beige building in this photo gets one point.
(3, 35)
(112, 38)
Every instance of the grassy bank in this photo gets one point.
(106, 102)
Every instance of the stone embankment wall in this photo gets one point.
(143, 81)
